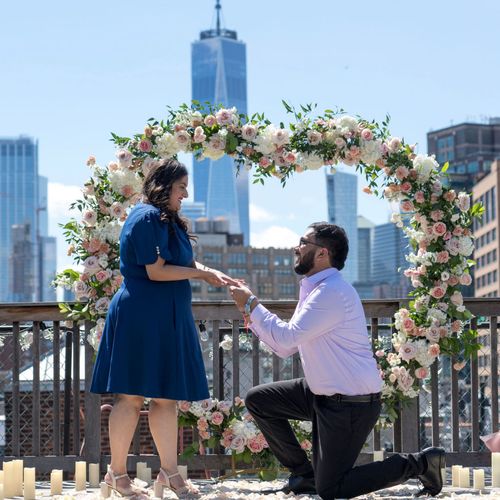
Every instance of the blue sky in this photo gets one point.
(73, 72)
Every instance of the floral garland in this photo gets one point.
(438, 220)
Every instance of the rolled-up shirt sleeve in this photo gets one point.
(319, 314)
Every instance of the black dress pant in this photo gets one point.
(340, 430)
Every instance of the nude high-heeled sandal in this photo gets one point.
(132, 492)
(184, 492)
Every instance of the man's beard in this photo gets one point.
(305, 263)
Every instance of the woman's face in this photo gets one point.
(177, 193)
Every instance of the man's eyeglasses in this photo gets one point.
(303, 241)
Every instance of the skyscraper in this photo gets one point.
(23, 224)
(469, 148)
(388, 256)
(342, 199)
(218, 69)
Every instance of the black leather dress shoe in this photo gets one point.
(298, 485)
(433, 460)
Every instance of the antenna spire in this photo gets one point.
(218, 8)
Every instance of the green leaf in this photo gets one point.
(445, 167)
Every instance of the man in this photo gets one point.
(340, 393)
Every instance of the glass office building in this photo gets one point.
(342, 199)
(218, 68)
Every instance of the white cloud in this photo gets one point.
(259, 214)
(60, 196)
(275, 236)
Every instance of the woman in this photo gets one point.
(150, 346)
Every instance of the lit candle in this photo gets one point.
(378, 456)
(29, 483)
(18, 477)
(80, 475)
(464, 477)
(9, 484)
(183, 471)
(94, 475)
(455, 475)
(56, 477)
(478, 477)
(146, 475)
(495, 470)
(140, 466)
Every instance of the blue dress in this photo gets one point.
(150, 345)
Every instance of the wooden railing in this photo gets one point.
(68, 441)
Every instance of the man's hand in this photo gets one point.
(240, 295)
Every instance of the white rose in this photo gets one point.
(371, 151)
(425, 166)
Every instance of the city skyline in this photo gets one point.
(70, 96)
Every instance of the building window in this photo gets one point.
(237, 258)
(287, 289)
(260, 259)
(215, 289)
(265, 289)
(212, 258)
(282, 260)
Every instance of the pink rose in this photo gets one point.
(209, 120)
(91, 161)
(238, 444)
(456, 326)
(148, 131)
(94, 245)
(217, 418)
(184, 406)
(367, 134)
(453, 280)
(127, 191)
(255, 445)
(459, 365)
(202, 424)
(89, 218)
(199, 135)
(465, 279)
(314, 137)
(402, 172)
(449, 195)
(419, 197)
(437, 215)
(457, 299)
(421, 372)
(394, 144)
(457, 231)
(434, 350)
(264, 162)
(124, 157)
(223, 117)
(290, 157)
(439, 228)
(145, 145)
(248, 132)
(405, 380)
(408, 324)
(432, 334)
(437, 292)
(442, 257)
(407, 351)
(406, 187)
(183, 138)
(407, 206)
(380, 353)
(306, 445)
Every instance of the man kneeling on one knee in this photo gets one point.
(340, 393)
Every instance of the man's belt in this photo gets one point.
(363, 398)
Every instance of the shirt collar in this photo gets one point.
(309, 282)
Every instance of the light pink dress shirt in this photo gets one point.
(328, 329)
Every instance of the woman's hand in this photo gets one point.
(214, 278)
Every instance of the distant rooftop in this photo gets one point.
(218, 32)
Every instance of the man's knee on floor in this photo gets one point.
(326, 489)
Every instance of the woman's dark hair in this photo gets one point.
(334, 239)
(157, 188)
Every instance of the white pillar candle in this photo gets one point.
(455, 475)
(29, 483)
(140, 466)
(56, 478)
(183, 471)
(478, 479)
(443, 475)
(464, 477)
(94, 475)
(1, 492)
(146, 475)
(1, 476)
(378, 456)
(495, 470)
(9, 484)
(18, 477)
(80, 476)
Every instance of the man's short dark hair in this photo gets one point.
(334, 239)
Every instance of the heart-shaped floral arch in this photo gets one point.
(438, 224)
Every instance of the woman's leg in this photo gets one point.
(122, 423)
(163, 426)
